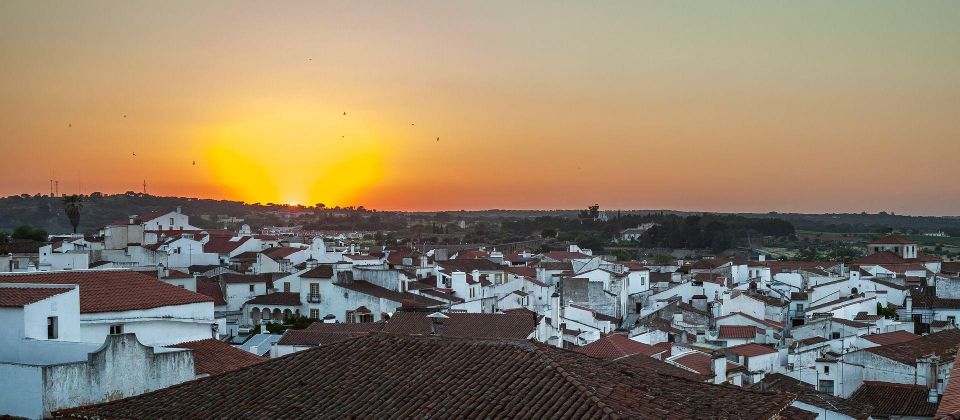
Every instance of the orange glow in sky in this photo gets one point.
(715, 106)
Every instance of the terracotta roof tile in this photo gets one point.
(211, 288)
(942, 344)
(890, 400)
(384, 375)
(807, 394)
(891, 337)
(16, 297)
(751, 349)
(212, 357)
(113, 290)
(737, 331)
(615, 346)
(319, 272)
(514, 325)
(276, 298)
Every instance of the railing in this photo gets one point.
(313, 298)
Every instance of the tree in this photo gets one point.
(622, 255)
(548, 233)
(71, 206)
(4, 237)
(29, 232)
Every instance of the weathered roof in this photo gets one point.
(891, 337)
(751, 349)
(615, 346)
(513, 325)
(889, 399)
(806, 393)
(737, 331)
(223, 244)
(276, 298)
(949, 407)
(319, 272)
(942, 344)
(113, 290)
(214, 357)
(384, 375)
(211, 288)
(16, 297)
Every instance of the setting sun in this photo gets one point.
(298, 155)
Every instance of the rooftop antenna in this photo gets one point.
(144, 186)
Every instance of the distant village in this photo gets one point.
(153, 317)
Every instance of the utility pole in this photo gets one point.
(144, 187)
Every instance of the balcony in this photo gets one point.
(313, 298)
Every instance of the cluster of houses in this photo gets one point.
(875, 337)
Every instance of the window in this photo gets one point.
(826, 386)
(116, 329)
(52, 328)
(315, 313)
(251, 288)
(351, 317)
(835, 335)
(952, 319)
(799, 307)
(472, 293)
(314, 295)
(826, 370)
(286, 286)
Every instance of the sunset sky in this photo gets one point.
(703, 105)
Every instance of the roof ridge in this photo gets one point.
(570, 377)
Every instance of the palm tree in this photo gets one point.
(72, 206)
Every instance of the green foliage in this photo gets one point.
(889, 312)
(71, 206)
(622, 255)
(662, 259)
(548, 233)
(29, 232)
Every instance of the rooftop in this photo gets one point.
(889, 399)
(212, 357)
(615, 346)
(392, 376)
(113, 290)
(16, 297)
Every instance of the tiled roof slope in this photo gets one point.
(213, 357)
(889, 399)
(211, 288)
(319, 272)
(949, 407)
(806, 393)
(652, 365)
(114, 290)
(16, 297)
(515, 325)
(615, 346)
(382, 375)
(277, 298)
(942, 344)
(892, 337)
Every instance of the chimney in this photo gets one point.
(178, 210)
(555, 317)
(677, 319)
(762, 258)
(133, 219)
(718, 365)
(476, 276)
(436, 321)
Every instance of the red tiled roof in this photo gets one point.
(213, 357)
(212, 289)
(767, 322)
(16, 297)
(176, 274)
(737, 331)
(615, 346)
(523, 271)
(114, 290)
(939, 343)
(949, 407)
(319, 272)
(891, 337)
(882, 257)
(223, 244)
(279, 253)
(751, 349)
(277, 298)
(807, 394)
(702, 364)
(383, 375)
(889, 399)
(469, 254)
(232, 278)
(650, 364)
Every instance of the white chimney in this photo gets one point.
(763, 258)
(677, 319)
(718, 365)
(178, 209)
(555, 317)
(255, 350)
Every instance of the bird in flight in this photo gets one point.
(344, 112)
(134, 153)
(438, 139)
(69, 125)
(194, 163)
(412, 124)
(124, 115)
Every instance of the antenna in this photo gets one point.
(144, 187)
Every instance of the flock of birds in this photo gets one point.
(194, 163)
